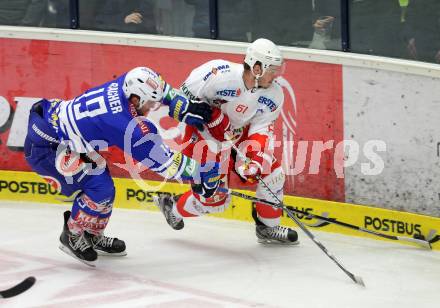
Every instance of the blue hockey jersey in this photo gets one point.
(103, 117)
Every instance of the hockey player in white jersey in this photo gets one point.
(246, 100)
(64, 138)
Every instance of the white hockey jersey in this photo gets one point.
(220, 83)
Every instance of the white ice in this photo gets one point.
(210, 263)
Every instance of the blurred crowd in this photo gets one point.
(407, 29)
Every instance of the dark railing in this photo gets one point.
(74, 14)
(213, 19)
(408, 29)
(345, 31)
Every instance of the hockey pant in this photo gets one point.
(191, 204)
(70, 173)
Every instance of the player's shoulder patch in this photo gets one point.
(272, 97)
(215, 67)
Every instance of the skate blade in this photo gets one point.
(67, 251)
(275, 242)
(177, 227)
(109, 254)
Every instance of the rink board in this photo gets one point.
(130, 194)
(306, 95)
(336, 106)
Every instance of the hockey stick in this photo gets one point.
(422, 243)
(358, 280)
(19, 288)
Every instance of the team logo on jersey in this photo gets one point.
(214, 70)
(68, 163)
(229, 92)
(268, 102)
(53, 182)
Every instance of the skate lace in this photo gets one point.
(278, 232)
(80, 242)
(104, 241)
(173, 219)
(168, 210)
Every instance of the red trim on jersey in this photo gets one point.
(142, 126)
(181, 204)
(218, 199)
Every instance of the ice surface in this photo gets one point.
(210, 263)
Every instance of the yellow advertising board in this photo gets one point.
(28, 186)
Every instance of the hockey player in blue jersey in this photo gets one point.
(65, 136)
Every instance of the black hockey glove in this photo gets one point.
(209, 180)
(191, 112)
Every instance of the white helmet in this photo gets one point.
(144, 83)
(264, 51)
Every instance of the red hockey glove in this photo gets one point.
(249, 171)
(219, 124)
(257, 161)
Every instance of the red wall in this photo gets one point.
(31, 68)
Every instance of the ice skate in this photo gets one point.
(165, 204)
(276, 235)
(77, 246)
(108, 246)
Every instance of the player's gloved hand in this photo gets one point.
(209, 180)
(259, 158)
(249, 171)
(219, 124)
(252, 168)
(191, 112)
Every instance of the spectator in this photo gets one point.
(326, 24)
(375, 27)
(423, 30)
(22, 12)
(127, 16)
(403, 9)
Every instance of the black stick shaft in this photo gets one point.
(356, 279)
(423, 243)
